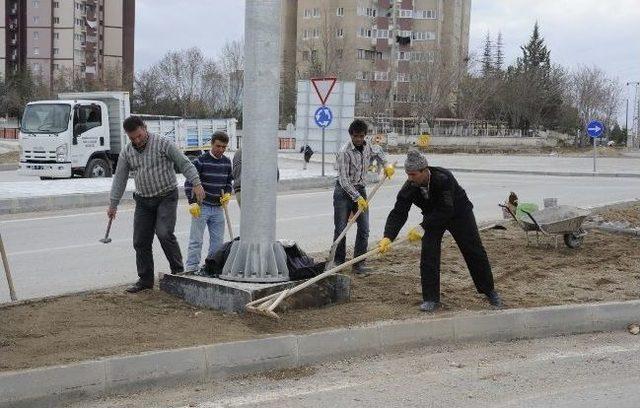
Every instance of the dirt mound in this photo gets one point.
(105, 323)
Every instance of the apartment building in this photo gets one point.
(381, 44)
(71, 39)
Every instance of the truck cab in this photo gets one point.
(67, 137)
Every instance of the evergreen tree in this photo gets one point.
(535, 54)
(487, 60)
(498, 58)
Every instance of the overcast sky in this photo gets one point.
(587, 32)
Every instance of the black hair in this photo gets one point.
(221, 136)
(358, 126)
(132, 123)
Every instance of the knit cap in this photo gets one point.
(415, 161)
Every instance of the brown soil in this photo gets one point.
(105, 323)
(10, 157)
(629, 214)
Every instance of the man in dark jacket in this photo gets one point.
(444, 206)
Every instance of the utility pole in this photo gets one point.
(634, 137)
(257, 257)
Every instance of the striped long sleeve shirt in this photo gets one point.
(352, 166)
(215, 175)
(154, 168)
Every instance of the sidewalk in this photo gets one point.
(619, 166)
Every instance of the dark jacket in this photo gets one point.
(440, 202)
(215, 175)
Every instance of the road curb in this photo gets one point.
(81, 200)
(60, 384)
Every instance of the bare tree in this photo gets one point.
(595, 96)
(228, 76)
(324, 53)
(433, 83)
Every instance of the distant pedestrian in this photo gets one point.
(215, 171)
(152, 159)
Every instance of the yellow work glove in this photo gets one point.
(414, 235)
(384, 245)
(389, 170)
(224, 200)
(362, 204)
(194, 210)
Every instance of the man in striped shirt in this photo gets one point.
(353, 160)
(153, 160)
(215, 171)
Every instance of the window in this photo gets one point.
(86, 117)
(404, 55)
(363, 75)
(340, 11)
(381, 76)
(56, 36)
(305, 55)
(307, 13)
(367, 12)
(339, 32)
(364, 97)
(404, 33)
(406, 13)
(56, 67)
(56, 4)
(403, 77)
(36, 51)
(339, 54)
(305, 34)
(424, 35)
(382, 33)
(36, 19)
(316, 33)
(56, 20)
(56, 51)
(424, 14)
(316, 12)
(36, 68)
(314, 54)
(36, 35)
(365, 32)
(35, 3)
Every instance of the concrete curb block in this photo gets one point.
(8, 167)
(81, 200)
(620, 231)
(56, 385)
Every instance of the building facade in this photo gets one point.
(388, 47)
(68, 40)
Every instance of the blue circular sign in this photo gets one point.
(595, 128)
(323, 116)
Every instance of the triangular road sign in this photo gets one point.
(323, 87)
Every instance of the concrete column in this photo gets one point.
(257, 257)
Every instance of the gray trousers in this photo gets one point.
(155, 216)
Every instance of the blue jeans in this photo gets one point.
(343, 206)
(213, 217)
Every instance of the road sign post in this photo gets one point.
(595, 129)
(323, 118)
(323, 115)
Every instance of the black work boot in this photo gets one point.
(361, 270)
(429, 306)
(495, 300)
(139, 286)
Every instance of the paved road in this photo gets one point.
(584, 371)
(58, 252)
(541, 163)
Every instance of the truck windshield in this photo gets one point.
(46, 118)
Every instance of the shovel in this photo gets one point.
(332, 252)
(226, 215)
(106, 238)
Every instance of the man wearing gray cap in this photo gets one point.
(444, 206)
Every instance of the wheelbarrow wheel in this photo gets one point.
(573, 240)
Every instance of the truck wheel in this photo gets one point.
(97, 168)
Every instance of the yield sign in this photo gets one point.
(323, 87)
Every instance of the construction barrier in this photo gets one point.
(286, 143)
(9, 133)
